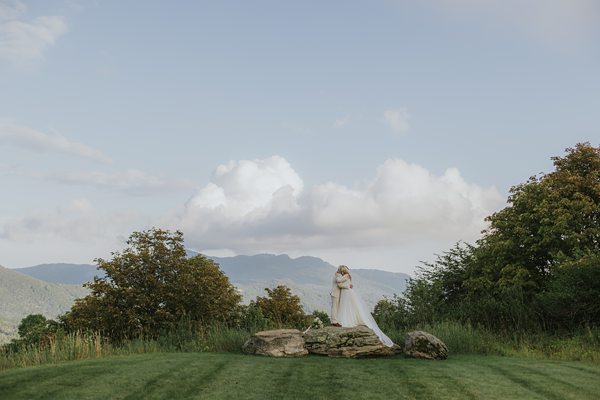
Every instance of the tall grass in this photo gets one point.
(79, 346)
(583, 345)
(60, 348)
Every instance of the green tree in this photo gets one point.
(392, 314)
(549, 218)
(35, 329)
(551, 222)
(572, 296)
(537, 263)
(282, 307)
(436, 293)
(252, 318)
(151, 286)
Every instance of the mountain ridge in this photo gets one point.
(308, 277)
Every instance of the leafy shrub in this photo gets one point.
(150, 287)
(282, 308)
(323, 316)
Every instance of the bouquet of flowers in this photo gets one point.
(316, 324)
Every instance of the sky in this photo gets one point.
(374, 134)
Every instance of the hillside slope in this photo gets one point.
(21, 295)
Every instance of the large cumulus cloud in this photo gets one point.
(262, 205)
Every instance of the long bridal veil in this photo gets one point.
(353, 312)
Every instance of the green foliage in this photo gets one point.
(35, 330)
(282, 308)
(552, 224)
(437, 293)
(150, 287)
(253, 319)
(393, 314)
(537, 266)
(572, 297)
(322, 315)
(33, 327)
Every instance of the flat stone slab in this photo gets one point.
(355, 342)
(276, 343)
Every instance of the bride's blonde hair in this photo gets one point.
(342, 269)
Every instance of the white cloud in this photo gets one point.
(249, 189)
(134, 182)
(21, 41)
(76, 231)
(557, 23)
(76, 221)
(342, 121)
(34, 140)
(11, 10)
(397, 119)
(254, 206)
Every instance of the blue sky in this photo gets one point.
(371, 133)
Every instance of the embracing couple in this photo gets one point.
(347, 309)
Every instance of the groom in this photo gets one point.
(339, 282)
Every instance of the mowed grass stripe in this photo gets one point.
(592, 372)
(168, 377)
(475, 374)
(542, 383)
(456, 379)
(227, 375)
(407, 380)
(525, 380)
(569, 382)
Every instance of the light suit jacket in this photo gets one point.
(339, 282)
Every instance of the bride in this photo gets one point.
(351, 310)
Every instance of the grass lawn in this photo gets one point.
(237, 376)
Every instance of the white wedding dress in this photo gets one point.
(353, 312)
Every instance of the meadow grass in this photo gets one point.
(81, 346)
(460, 339)
(583, 345)
(238, 376)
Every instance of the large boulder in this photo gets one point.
(276, 343)
(354, 342)
(419, 344)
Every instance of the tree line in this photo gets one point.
(536, 267)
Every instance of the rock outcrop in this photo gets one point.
(419, 344)
(276, 343)
(354, 342)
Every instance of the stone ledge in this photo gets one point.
(276, 343)
(355, 342)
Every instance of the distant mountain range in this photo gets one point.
(70, 274)
(50, 289)
(308, 277)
